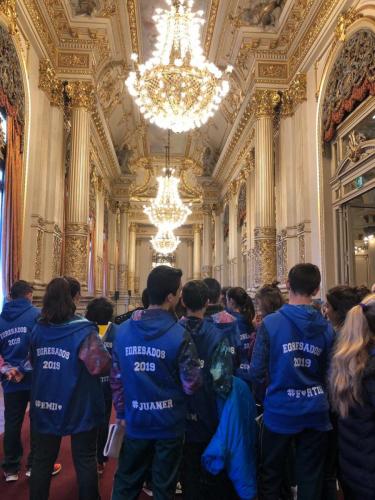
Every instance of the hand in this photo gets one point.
(14, 375)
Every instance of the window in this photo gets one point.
(3, 141)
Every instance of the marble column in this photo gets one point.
(112, 238)
(197, 252)
(233, 240)
(219, 244)
(207, 242)
(265, 102)
(99, 237)
(77, 210)
(123, 251)
(131, 261)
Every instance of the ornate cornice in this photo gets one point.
(49, 83)
(264, 102)
(81, 94)
(294, 95)
(8, 8)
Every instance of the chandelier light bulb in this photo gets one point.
(178, 62)
(165, 242)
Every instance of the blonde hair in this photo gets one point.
(351, 355)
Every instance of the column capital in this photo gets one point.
(207, 209)
(124, 207)
(133, 227)
(197, 228)
(81, 94)
(50, 84)
(294, 95)
(218, 209)
(265, 102)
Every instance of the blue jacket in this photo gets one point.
(246, 329)
(65, 398)
(155, 359)
(233, 446)
(17, 320)
(293, 345)
(202, 414)
(227, 324)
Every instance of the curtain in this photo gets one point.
(12, 224)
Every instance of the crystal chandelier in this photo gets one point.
(167, 211)
(177, 88)
(165, 242)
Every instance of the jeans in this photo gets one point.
(136, 457)
(103, 433)
(15, 408)
(310, 454)
(197, 483)
(84, 457)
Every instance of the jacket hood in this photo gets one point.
(196, 326)
(15, 308)
(306, 319)
(57, 332)
(151, 323)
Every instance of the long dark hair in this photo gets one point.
(343, 298)
(269, 298)
(58, 305)
(242, 301)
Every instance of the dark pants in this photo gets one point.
(47, 447)
(310, 453)
(197, 483)
(136, 457)
(103, 433)
(15, 408)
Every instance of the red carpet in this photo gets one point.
(63, 486)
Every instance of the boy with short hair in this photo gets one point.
(202, 416)
(155, 364)
(100, 311)
(292, 348)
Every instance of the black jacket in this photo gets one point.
(357, 441)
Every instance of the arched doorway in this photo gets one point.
(348, 166)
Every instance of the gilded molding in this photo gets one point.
(76, 257)
(8, 8)
(73, 60)
(132, 14)
(265, 255)
(211, 25)
(272, 70)
(49, 83)
(344, 22)
(81, 94)
(265, 102)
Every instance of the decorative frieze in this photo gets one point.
(265, 255)
(282, 256)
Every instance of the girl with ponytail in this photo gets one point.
(352, 389)
(241, 306)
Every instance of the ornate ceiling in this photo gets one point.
(265, 41)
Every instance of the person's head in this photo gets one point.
(58, 304)
(304, 280)
(269, 299)
(145, 299)
(195, 297)
(100, 311)
(214, 290)
(75, 289)
(239, 301)
(356, 339)
(340, 300)
(21, 290)
(164, 286)
(223, 296)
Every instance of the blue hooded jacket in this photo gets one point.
(148, 350)
(108, 340)
(17, 320)
(202, 413)
(246, 329)
(294, 346)
(65, 398)
(233, 446)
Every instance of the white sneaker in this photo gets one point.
(10, 477)
(178, 489)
